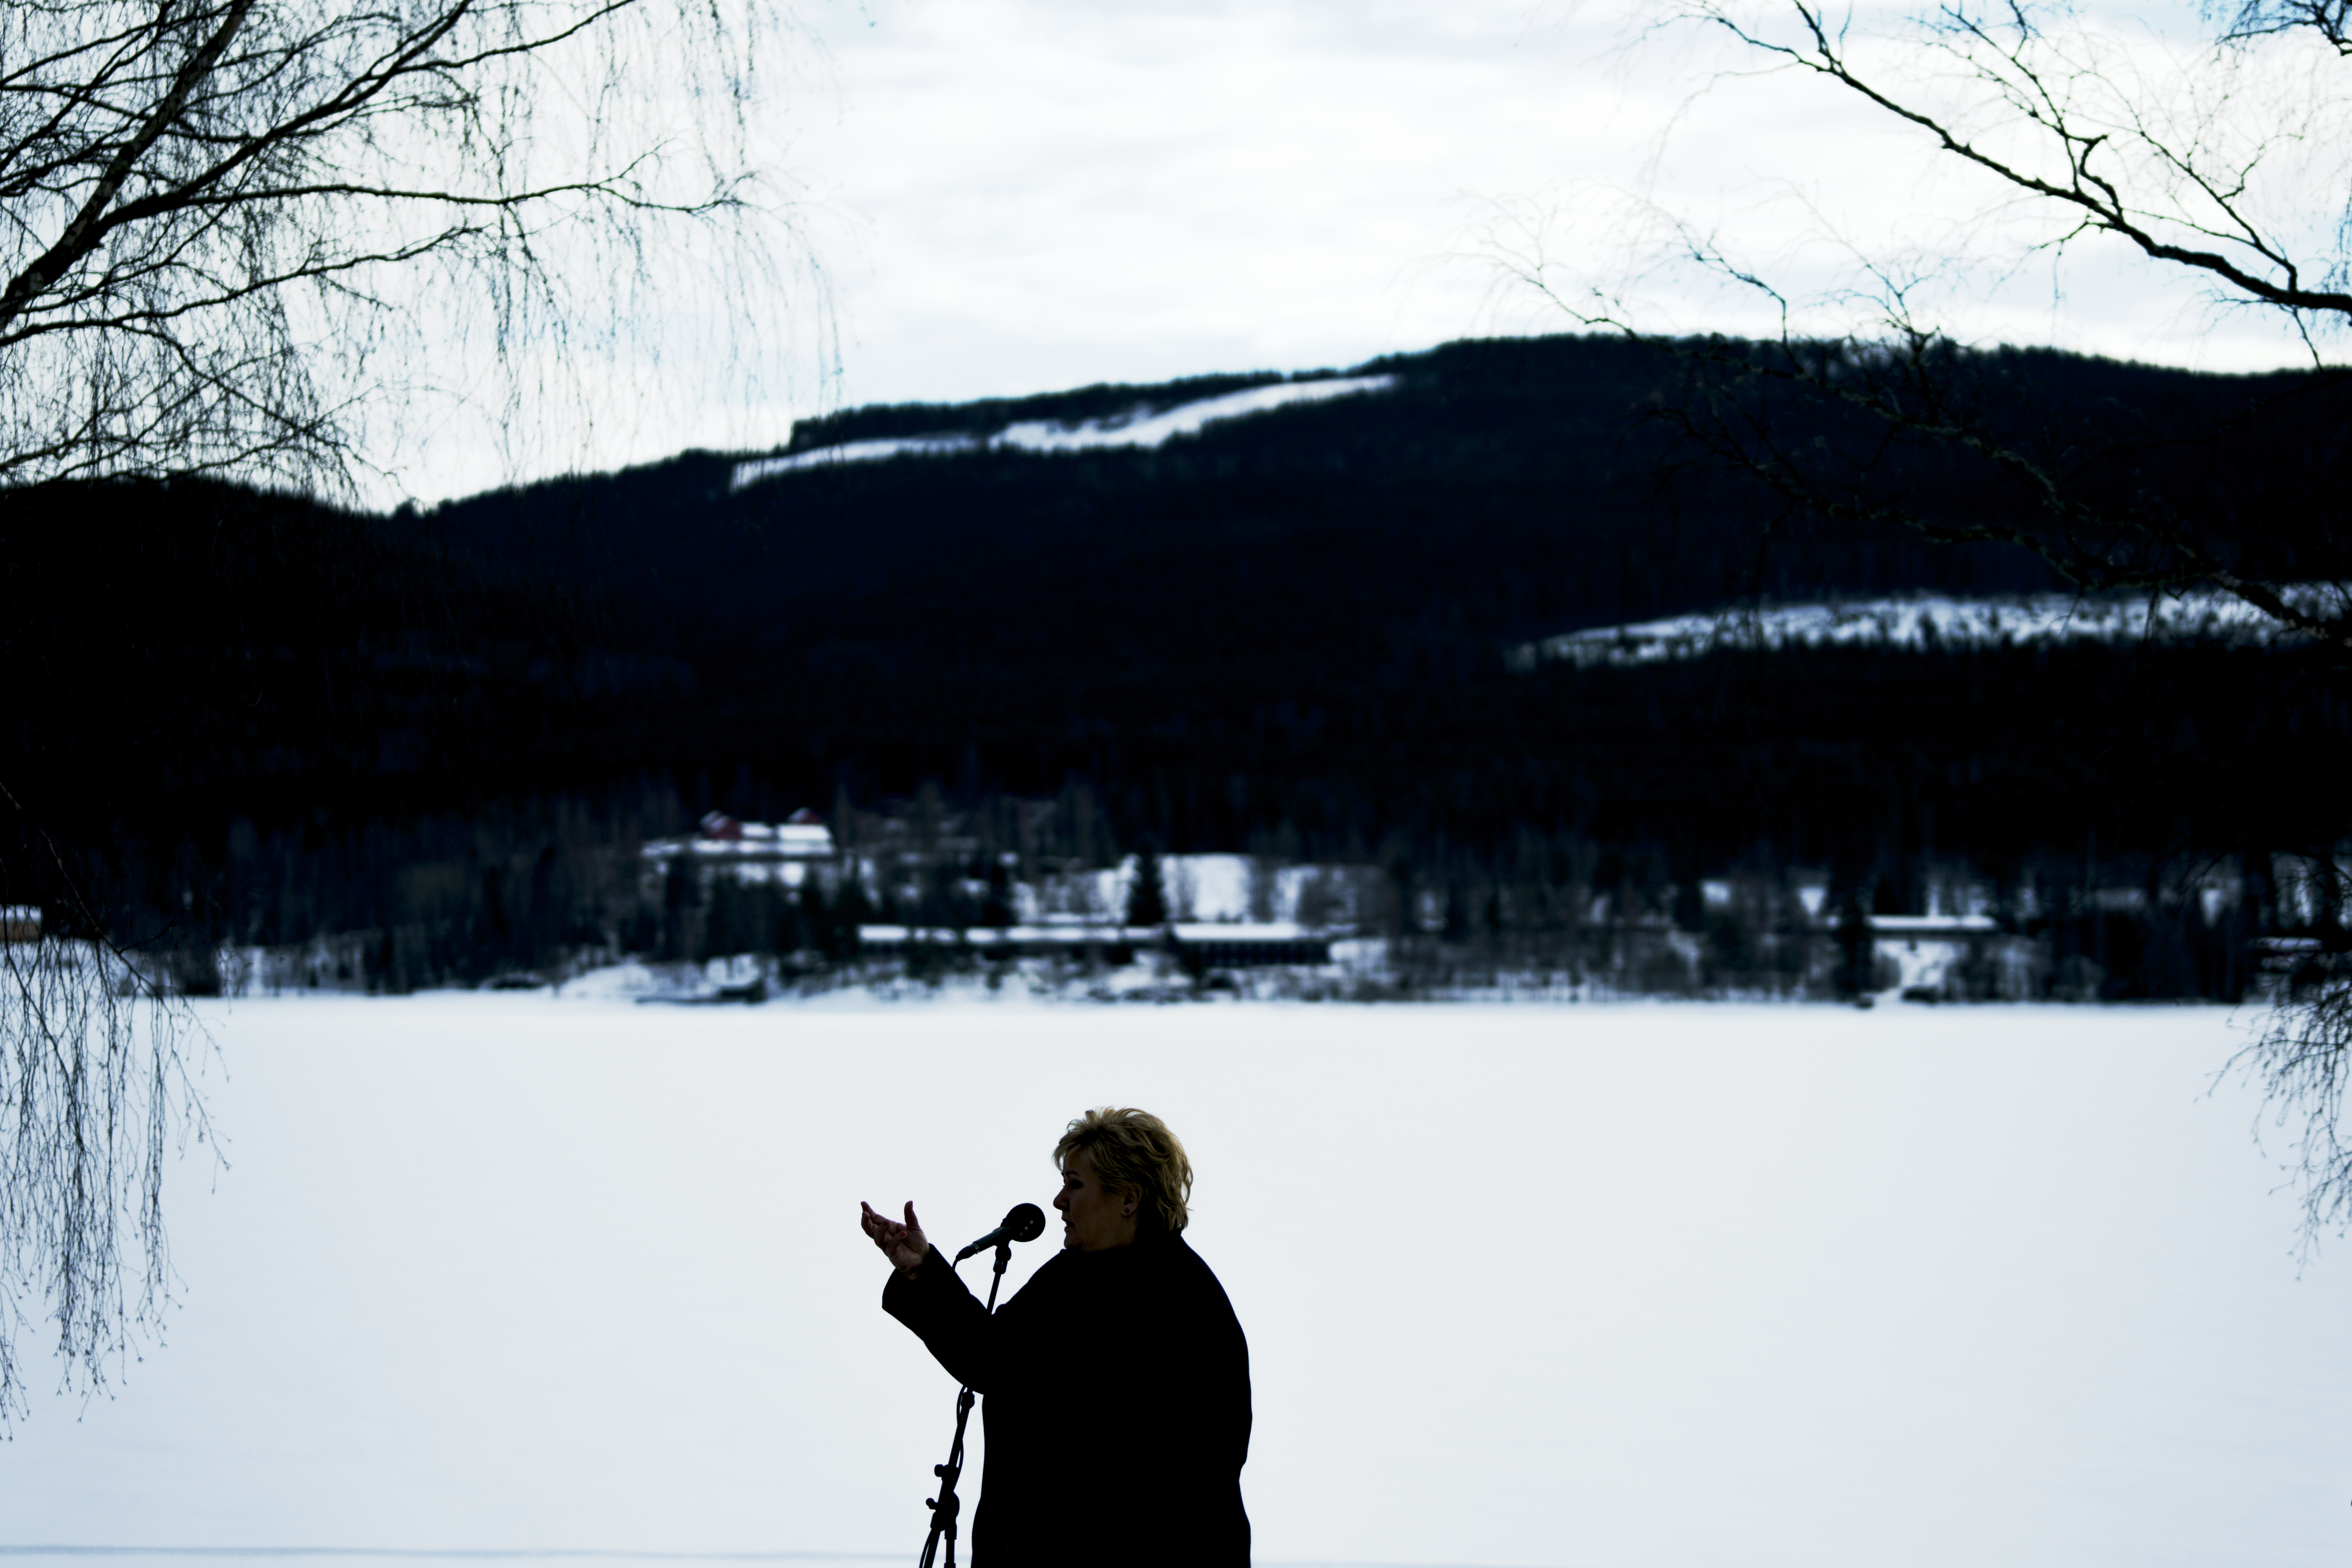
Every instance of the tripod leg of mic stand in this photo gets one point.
(943, 1528)
(947, 1506)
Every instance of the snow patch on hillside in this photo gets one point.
(1930, 620)
(1141, 425)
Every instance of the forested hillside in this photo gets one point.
(252, 718)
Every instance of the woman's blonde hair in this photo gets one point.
(1134, 1151)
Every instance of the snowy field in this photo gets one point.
(1600, 1287)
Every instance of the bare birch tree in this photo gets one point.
(273, 241)
(251, 236)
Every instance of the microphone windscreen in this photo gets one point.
(1026, 1221)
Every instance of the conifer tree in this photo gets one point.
(1146, 901)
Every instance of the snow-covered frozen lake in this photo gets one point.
(1606, 1286)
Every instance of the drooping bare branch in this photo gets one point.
(2330, 20)
(2302, 1062)
(97, 1098)
(2016, 62)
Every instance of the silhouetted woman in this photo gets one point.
(1115, 1383)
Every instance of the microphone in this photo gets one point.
(1024, 1222)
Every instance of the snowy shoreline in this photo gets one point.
(1361, 974)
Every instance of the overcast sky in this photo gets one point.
(1016, 195)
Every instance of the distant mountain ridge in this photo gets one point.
(1528, 462)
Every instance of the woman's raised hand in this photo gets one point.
(903, 1245)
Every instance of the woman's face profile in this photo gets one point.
(1093, 1217)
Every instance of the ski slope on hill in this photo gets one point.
(1930, 620)
(1639, 1286)
(1143, 427)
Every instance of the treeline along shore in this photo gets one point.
(440, 740)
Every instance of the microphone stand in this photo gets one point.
(947, 1505)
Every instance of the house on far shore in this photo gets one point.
(1208, 945)
(787, 852)
(20, 922)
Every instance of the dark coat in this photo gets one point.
(1117, 1402)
